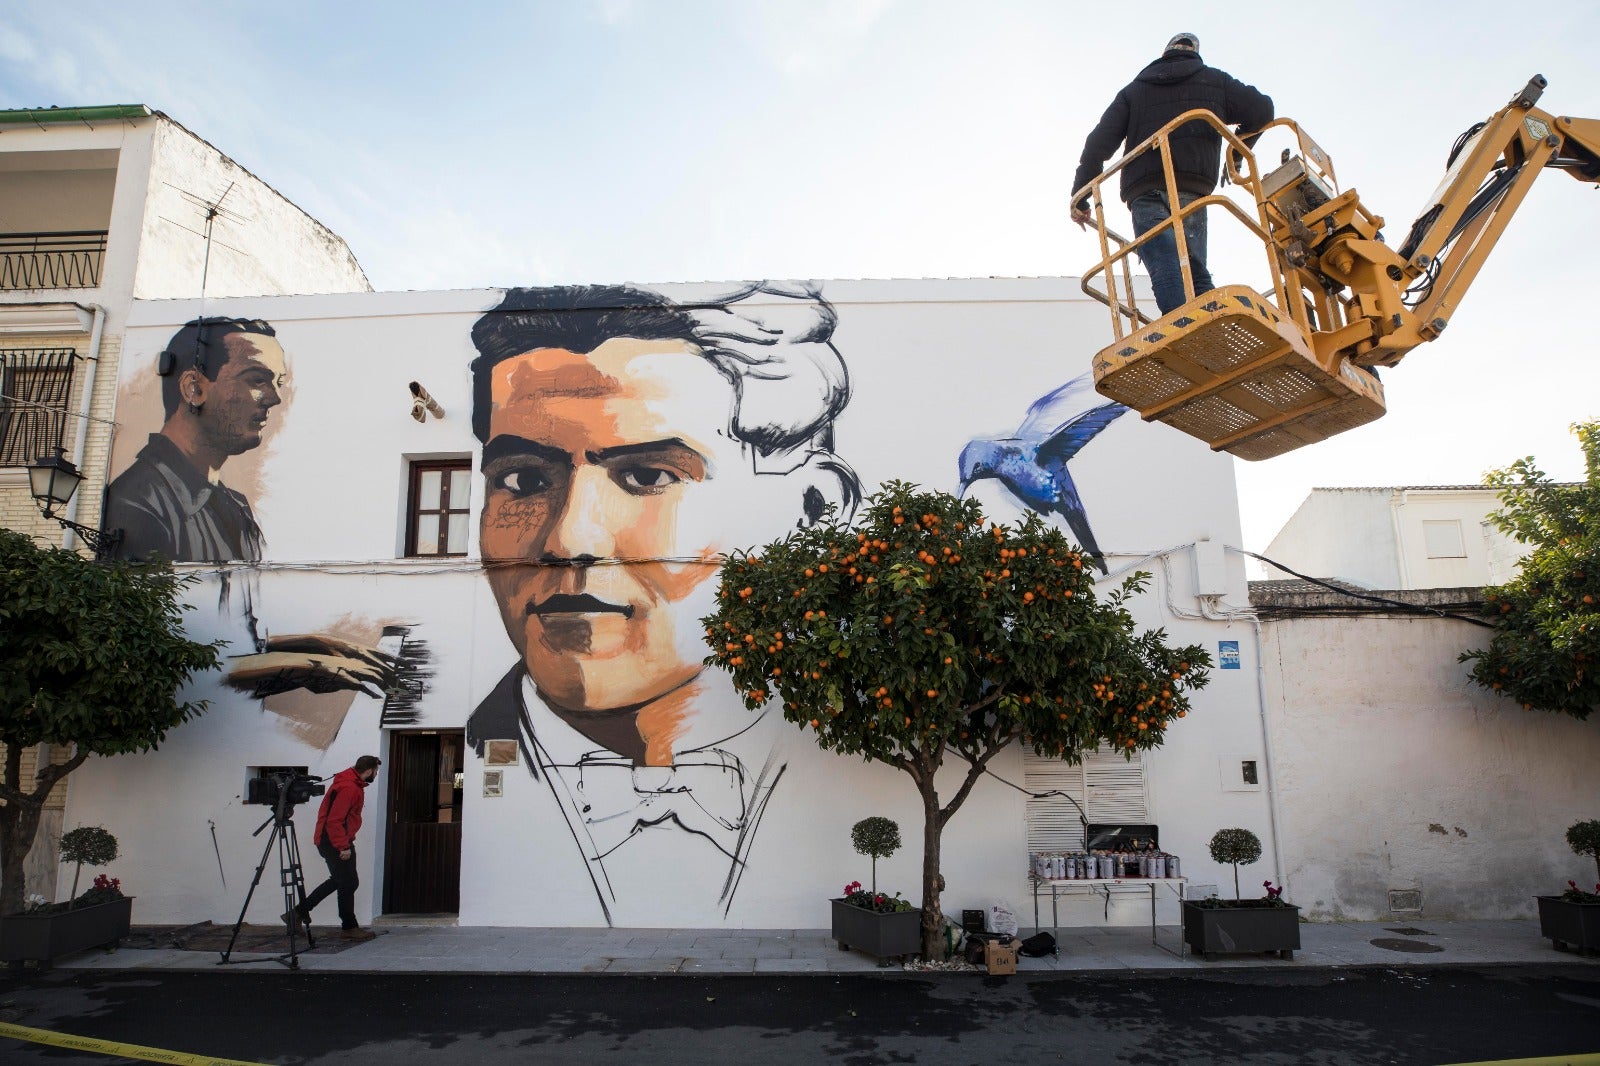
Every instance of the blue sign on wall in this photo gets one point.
(1228, 654)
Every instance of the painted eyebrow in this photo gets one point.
(507, 446)
(623, 451)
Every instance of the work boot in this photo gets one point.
(295, 918)
(357, 934)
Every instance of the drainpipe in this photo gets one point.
(1397, 503)
(97, 332)
(1273, 817)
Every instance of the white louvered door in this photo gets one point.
(1110, 788)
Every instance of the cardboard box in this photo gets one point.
(1000, 958)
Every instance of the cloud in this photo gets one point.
(613, 12)
(805, 38)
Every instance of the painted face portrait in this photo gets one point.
(622, 453)
(246, 388)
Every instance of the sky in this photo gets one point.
(496, 143)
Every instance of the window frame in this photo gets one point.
(447, 507)
(35, 392)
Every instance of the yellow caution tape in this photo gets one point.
(111, 1047)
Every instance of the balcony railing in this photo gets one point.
(65, 260)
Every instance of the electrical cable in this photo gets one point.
(1412, 608)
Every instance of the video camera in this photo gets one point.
(283, 788)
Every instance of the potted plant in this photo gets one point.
(1213, 926)
(1572, 919)
(102, 915)
(885, 926)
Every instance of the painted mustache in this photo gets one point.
(564, 603)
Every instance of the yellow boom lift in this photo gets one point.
(1260, 374)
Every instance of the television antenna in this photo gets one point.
(211, 210)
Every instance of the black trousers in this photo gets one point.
(341, 879)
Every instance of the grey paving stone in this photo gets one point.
(790, 966)
(647, 965)
(718, 966)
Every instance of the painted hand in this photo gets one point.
(315, 663)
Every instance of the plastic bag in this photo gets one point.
(1002, 920)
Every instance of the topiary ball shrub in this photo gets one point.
(1584, 839)
(878, 838)
(91, 844)
(1238, 847)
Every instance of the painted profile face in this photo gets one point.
(616, 469)
(246, 388)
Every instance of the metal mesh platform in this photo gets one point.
(1228, 369)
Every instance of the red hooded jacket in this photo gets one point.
(339, 817)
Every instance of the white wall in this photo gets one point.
(42, 201)
(1344, 533)
(1396, 773)
(1377, 538)
(933, 365)
(261, 243)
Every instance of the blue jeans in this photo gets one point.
(1160, 253)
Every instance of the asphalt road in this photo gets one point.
(1347, 1016)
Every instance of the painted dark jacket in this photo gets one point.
(339, 817)
(164, 505)
(1177, 82)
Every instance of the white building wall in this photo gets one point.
(1396, 773)
(933, 365)
(1380, 538)
(261, 242)
(1344, 533)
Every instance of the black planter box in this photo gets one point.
(1570, 925)
(883, 935)
(42, 937)
(1213, 931)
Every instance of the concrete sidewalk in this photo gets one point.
(431, 946)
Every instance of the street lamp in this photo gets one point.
(52, 479)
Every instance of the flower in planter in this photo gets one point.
(1574, 894)
(877, 902)
(104, 890)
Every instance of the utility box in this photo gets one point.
(1210, 569)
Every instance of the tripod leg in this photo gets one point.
(254, 881)
(293, 880)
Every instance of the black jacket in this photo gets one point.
(1177, 82)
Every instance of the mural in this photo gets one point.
(620, 432)
(220, 380)
(1032, 461)
(618, 442)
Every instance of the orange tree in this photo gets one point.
(1546, 651)
(921, 630)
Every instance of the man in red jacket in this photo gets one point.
(338, 821)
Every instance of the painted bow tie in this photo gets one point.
(703, 792)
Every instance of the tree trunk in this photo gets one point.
(932, 880)
(18, 824)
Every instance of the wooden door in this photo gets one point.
(422, 867)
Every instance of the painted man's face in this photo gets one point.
(246, 388)
(622, 453)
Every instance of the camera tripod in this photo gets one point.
(290, 877)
